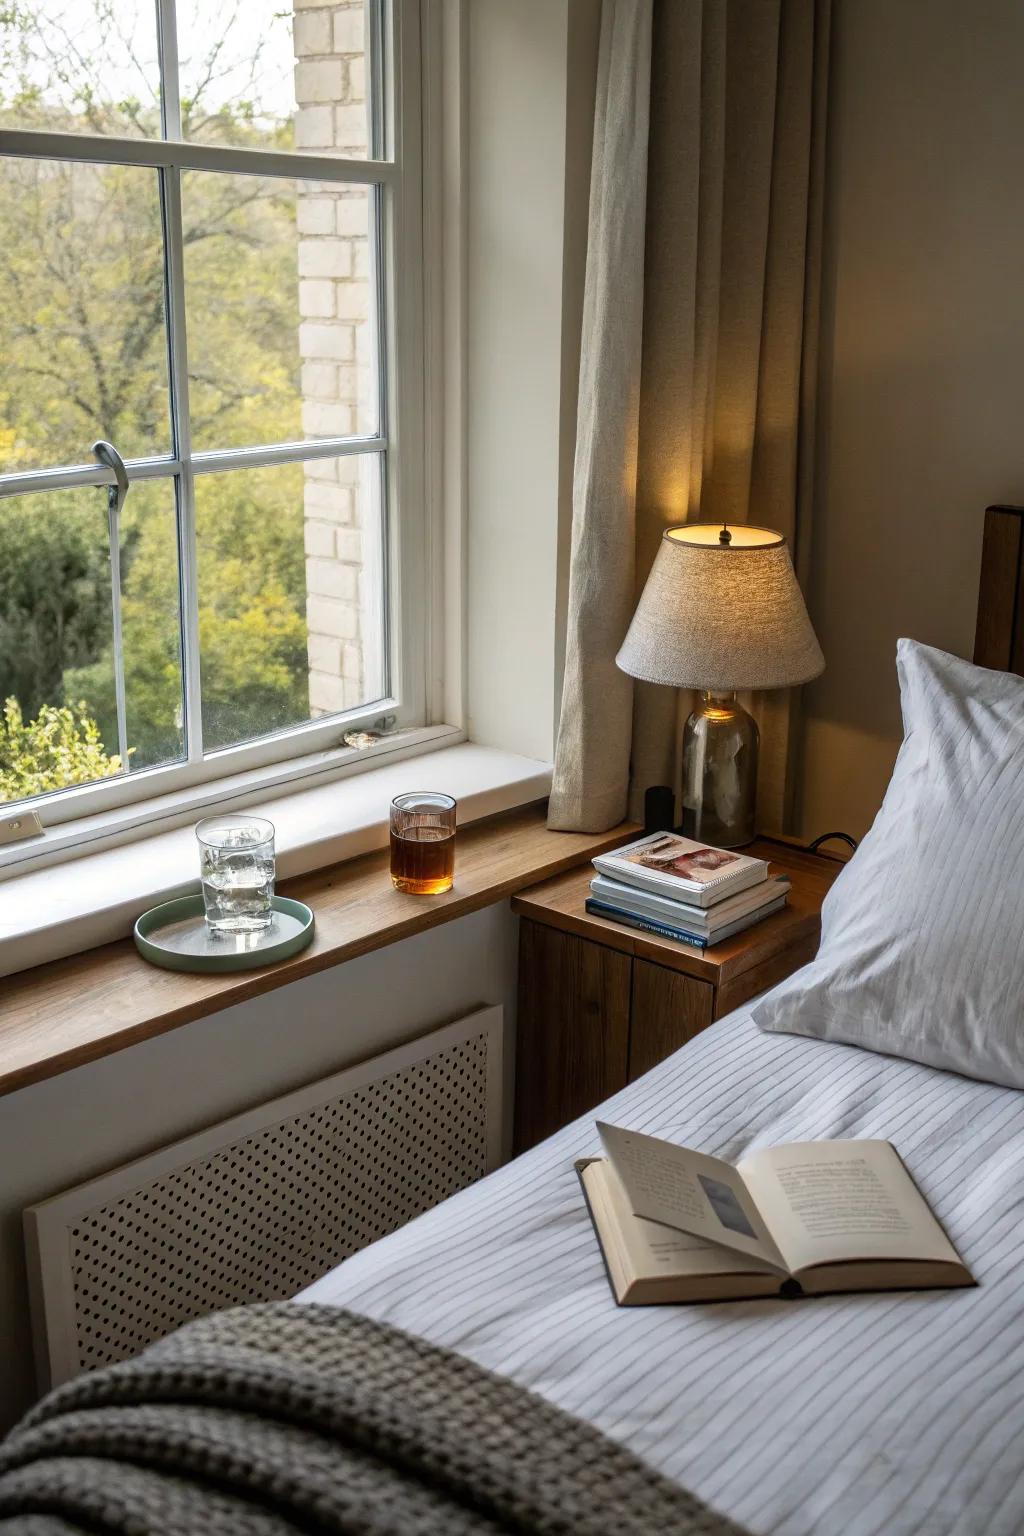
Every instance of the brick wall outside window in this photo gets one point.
(341, 508)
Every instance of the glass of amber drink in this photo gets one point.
(423, 843)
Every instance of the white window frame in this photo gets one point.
(409, 339)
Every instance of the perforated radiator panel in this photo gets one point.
(268, 1211)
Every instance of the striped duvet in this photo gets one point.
(839, 1416)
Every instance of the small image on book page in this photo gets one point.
(725, 1205)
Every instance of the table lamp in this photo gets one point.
(721, 611)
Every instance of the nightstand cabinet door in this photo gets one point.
(572, 1045)
(668, 1009)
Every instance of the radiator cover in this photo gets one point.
(259, 1206)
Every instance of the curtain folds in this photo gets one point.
(699, 352)
(592, 758)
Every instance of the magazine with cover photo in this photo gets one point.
(668, 864)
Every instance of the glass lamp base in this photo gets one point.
(719, 772)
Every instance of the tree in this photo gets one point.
(81, 311)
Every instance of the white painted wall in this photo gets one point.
(531, 65)
(923, 392)
(58, 1133)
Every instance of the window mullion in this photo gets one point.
(170, 94)
(181, 427)
(380, 126)
(33, 144)
(69, 476)
(214, 461)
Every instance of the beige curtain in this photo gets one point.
(699, 352)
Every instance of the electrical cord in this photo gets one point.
(828, 837)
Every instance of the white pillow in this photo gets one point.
(922, 942)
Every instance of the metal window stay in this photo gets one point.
(117, 494)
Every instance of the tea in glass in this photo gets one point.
(423, 843)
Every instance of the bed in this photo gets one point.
(896, 1413)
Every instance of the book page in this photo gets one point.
(690, 1191)
(652, 1249)
(827, 1202)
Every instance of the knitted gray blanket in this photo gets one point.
(281, 1418)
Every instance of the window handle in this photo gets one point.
(109, 457)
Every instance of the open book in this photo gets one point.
(803, 1218)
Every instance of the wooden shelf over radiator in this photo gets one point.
(71, 1011)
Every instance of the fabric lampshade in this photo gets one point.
(721, 616)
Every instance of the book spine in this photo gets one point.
(645, 924)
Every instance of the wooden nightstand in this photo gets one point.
(599, 1003)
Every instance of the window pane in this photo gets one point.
(253, 73)
(83, 350)
(57, 688)
(80, 66)
(279, 309)
(290, 594)
(151, 626)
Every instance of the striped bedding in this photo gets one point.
(894, 1414)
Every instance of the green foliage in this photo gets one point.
(81, 312)
(252, 626)
(58, 748)
(54, 591)
(150, 629)
(242, 284)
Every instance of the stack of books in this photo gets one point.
(668, 885)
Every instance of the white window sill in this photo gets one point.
(93, 900)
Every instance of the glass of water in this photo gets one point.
(236, 858)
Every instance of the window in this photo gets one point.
(209, 253)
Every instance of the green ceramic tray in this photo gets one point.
(175, 936)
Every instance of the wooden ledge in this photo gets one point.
(71, 1011)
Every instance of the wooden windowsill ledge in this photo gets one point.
(71, 1011)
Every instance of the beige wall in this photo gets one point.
(923, 365)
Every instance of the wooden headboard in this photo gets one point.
(999, 636)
